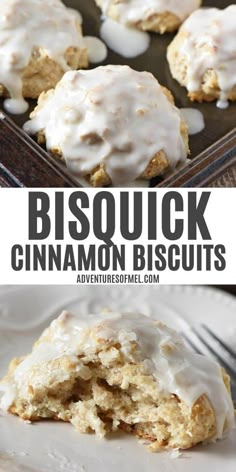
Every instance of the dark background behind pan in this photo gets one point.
(218, 122)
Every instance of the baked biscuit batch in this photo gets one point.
(113, 125)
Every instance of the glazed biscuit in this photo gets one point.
(124, 127)
(202, 57)
(39, 42)
(116, 371)
(159, 16)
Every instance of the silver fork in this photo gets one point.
(203, 340)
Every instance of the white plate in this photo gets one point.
(58, 447)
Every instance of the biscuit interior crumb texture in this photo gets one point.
(39, 41)
(111, 125)
(149, 15)
(121, 371)
(202, 56)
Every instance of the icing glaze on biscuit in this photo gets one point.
(133, 11)
(161, 350)
(29, 24)
(209, 43)
(110, 115)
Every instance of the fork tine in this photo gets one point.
(222, 344)
(224, 364)
(190, 342)
(197, 350)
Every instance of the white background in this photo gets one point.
(220, 218)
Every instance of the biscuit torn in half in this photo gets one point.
(121, 371)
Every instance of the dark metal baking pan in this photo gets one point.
(24, 163)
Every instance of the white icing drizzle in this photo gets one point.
(194, 119)
(222, 102)
(133, 11)
(15, 106)
(122, 36)
(124, 40)
(163, 353)
(112, 115)
(210, 43)
(97, 50)
(26, 24)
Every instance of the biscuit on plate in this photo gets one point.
(202, 57)
(115, 371)
(111, 125)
